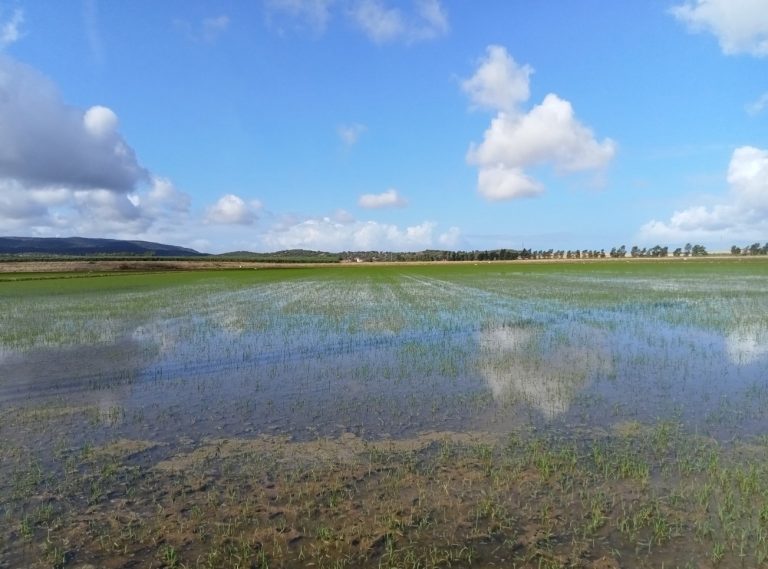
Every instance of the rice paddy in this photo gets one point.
(597, 415)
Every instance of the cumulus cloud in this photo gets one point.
(383, 23)
(44, 142)
(100, 122)
(741, 26)
(18, 205)
(499, 182)
(743, 214)
(63, 169)
(334, 234)
(232, 210)
(547, 135)
(10, 29)
(389, 198)
(351, 133)
(162, 196)
(499, 82)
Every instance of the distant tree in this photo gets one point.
(735, 250)
(635, 251)
(698, 251)
(677, 252)
(688, 247)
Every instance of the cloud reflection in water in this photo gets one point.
(545, 369)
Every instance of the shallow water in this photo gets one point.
(533, 415)
(399, 355)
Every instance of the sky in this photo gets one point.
(396, 125)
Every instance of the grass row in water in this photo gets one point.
(703, 293)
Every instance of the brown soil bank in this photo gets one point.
(103, 265)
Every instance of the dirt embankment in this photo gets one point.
(100, 266)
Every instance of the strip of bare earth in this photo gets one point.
(81, 266)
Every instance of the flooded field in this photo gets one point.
(609, 414)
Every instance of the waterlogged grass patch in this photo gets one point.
(522, 499)
(522, 415)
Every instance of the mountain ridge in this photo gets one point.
(78, 246)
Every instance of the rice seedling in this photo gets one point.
(405, 416)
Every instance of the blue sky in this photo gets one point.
(383, 124)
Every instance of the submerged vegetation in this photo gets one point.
(518, 415)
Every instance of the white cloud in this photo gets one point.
(100, 122)
(549, 134)
(500, 182)
(64, 170)
(389, 198)
(499, 82)
(758, 105)
(18, 206)
(45, 142)
(329, 234)
(206, 31)
(313, 14)
(450, 238)
(435, 18)
(743, 214)
(350, 134)
(163, 195)
(379, 22)
(10, 29)
(232, 210)
(741, 26)
(383, 23)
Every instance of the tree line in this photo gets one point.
(754, 249)
(689, 250)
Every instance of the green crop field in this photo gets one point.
(595, 414)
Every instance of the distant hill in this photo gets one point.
(289, 255)
(79, 246)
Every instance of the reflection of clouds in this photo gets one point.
(158, 334)
(747, 345)
(543, 368)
